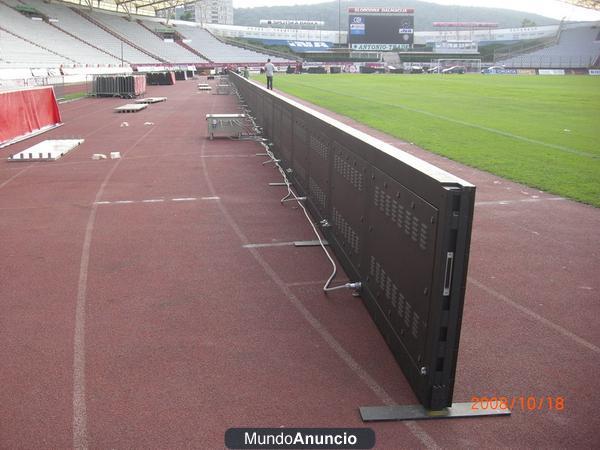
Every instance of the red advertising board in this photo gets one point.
(25, 112)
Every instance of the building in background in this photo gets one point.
(214, 11)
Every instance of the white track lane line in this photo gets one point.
(20, 172)
(80, 431)
(516, 202)
(155, 200)
(533, 315)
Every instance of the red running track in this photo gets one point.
(133, 317)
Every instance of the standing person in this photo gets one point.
(269, 70)
(246, 72)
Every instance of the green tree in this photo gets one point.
(526, 23)
(187, 16)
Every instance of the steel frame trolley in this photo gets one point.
(226, 124)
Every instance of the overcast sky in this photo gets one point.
(550, 8)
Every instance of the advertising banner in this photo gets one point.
(309, 46)
(551, 71)
(25, 112)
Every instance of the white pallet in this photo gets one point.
(151, 100)
(49, 150)
(131, 107)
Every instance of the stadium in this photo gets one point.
(403, 232)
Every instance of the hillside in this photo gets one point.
(425, 14)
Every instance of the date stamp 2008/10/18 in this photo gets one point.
(523, 402)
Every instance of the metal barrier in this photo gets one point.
(397, 224)
(181, 75)
(165, 78)
(126, 86)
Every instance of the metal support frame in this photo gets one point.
(271, 161)
(379, 203)
(225, 124)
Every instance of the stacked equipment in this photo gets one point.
(124, 86)
(160, 78)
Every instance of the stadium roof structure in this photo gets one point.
(591, 4)
(141, 7)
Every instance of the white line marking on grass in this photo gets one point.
(536, 316)
(462, 122)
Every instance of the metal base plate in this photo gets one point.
(309, 243)
(418, 412)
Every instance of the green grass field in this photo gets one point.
(541, 131)
(74, 95)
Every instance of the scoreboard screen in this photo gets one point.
(380, 29)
